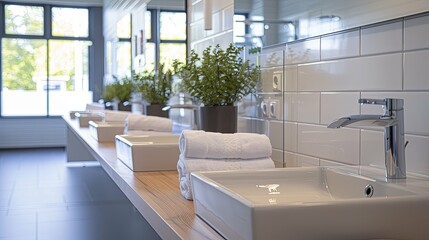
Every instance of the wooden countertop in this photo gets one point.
(155, 194)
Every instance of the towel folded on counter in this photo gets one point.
(187, 165)
(208, 151)
(115, 116)
(201, 144)
(147, 123)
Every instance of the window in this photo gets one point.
(171, 43)
(70, 22)
(26, 20)
(44, 65)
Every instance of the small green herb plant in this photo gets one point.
(219, 77)
(120, 89)
(155, 86)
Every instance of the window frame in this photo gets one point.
(156, 32)
(47, 35)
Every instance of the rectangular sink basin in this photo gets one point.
(308, 203)
(148, 152)
(106, 131)
(84, 118)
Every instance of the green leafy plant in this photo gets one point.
(155, 86)
(219, 77)
(119, 89)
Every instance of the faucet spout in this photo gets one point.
(393, 123)
(363, 121)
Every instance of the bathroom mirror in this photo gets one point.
(264, 23)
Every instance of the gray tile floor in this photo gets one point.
(44, 198)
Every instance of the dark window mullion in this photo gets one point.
(172, 41)
(157, 35)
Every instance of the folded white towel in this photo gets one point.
(200, 144)
(147, 123)
(187, 165)
(115, 116)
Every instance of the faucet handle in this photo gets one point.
(389, 104)
(373, 101)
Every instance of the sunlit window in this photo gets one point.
(148, 24)
(173, 26)
(26, 20)
(123, 27)
(44, 74)
(70, 22)
(170, 51)
(24, 77)
(171, 44)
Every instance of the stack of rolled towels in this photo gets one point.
(136, 123)
(209, 151)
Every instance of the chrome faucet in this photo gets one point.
(393, 122)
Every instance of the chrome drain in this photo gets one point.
(369, 190)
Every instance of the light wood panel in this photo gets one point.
(155, 194)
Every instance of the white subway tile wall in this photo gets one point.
(324, 78)
(298, 160)
(303, 52)
(221, 33)
(416, 33)
(334, 105)
(290, 78)
(416, 70)
(383, 38)
(340, 45)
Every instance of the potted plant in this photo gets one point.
(118, 92)
(219, 79)
(156, 89)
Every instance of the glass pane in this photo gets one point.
(173, 26)
(23, 20)
(150, 56)
(70, 22)
(68, 76)
(24, 77)
(123, 59)
(171, 51)
(123, 27)
(148, 25)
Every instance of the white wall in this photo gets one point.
(32, 132)
(323, 78)
(222, 14)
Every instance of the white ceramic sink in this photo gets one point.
(106, 131)
(148, 152)
(310, 203)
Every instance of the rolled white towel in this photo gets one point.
(200, 144)
(187, 165)
(147, 123)
(115, 116)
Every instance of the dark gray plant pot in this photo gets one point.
(156, 110)
(221, 119)
(122, 107)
